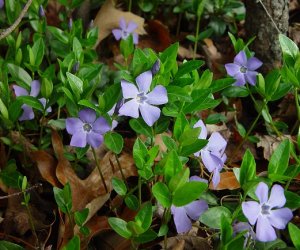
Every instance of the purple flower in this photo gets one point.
(28, 113)
(264, 214)
(1, 4)
(212, 154)
(243, 69)
(41, 11)
(183, 215)
(125, 31)
(141, 100)
(87, 129)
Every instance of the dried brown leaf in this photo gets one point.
(228, 181)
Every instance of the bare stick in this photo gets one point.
(10, 29)
(19, 193)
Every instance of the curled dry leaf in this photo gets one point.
(108, 18)
(228, 181)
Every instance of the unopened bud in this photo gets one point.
(155, 67)
(75, 67)
(41, 11)
(70, 23)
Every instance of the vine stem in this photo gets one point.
(10, 29)
(130, 5)
(197, 33)
(99, 169)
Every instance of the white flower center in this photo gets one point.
(87, 127)
(125, 34)
(243, 69)
(265, 209)
(141, 97)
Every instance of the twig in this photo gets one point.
(19, 193)
(10, 29)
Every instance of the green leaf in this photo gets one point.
(19, 74)
(188, 192)
(76, 84)
(114, 142)
(280, 159)
(162, 194)
(120, 226)
(189, 136)
(32, 102)
(132, 202)
(172, 165)
(63, 198)
(145, 237)
(3, 109)
(212, 216)
(168, 57)
(6, 245)
(119, 186)
(178, 93)
(288, 46)
(10, 176)
(235, 91)
(73, 244)
(294, 234)
(179, 179)
(188, 67)
(226, 229)
(248, 168)
(140, 127)
(180, 124)
(127, 46)
(81, 216)
(144, 216)
(292, 200)
(140, 152)
(77, 48)
(193, 148)
(169, 142)
(38, 50)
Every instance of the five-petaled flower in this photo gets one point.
(264, 214)
(141, 99)
(124, 31)
(183, 215)
(28, 113)
(243, 69)
(87, 129)
(212, 154)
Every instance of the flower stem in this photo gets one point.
(99, 169)
(297, 103)
(129, 5)
(140, 190)
(196, 37)
(120, 168)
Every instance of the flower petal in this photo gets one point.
(250, 77)
(197, 178)
(117, 34)
(251, 210)
(79, 139)
(277, 198)
(216, 177)
(262, 192)
(210, 161)
(130, 108)
(144, 81)
(149, 113)
(129, 90)
(1, 4)
(216, 143)
(241, 59)
(182, 222)
(122, 23)
(264, 231)
(196, 208)
(158, 96)
(87, 115)
(280, 217)
(101, 126)
(27, 114)
(232, 68)
(73, 125)
(35, 88)
(131, 27)
(94, 139)
(135, 37)
(253, 63)
(19, 91)
(44, 103)
(203, 133)
(240, 79)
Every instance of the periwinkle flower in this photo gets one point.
(41, 11)
(183, 215)
(1, 4)
(243, 69)
(28, 113)
(87, 129)
(268, 213)
(213, 154)
(124, 31)
(141, 99)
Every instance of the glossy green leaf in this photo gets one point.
(212, 216)
(119, 186)
(294, 234)
(248, 168)
(120, 226)
(162, 194)
(114, 142)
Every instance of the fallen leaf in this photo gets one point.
(227, 181)
(190, 242)
(108, 18)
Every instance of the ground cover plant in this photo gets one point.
(122, 128)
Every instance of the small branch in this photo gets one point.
(19, 193)
(268, 14)
(10, 29)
